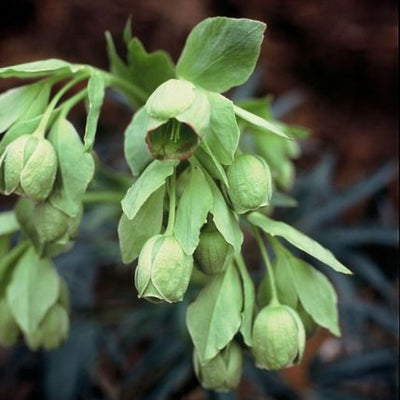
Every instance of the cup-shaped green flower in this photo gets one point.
(278, 337)
(250, 183)
(9, 330)
(213, 253)
(28, 167)
(223, 372)
(164, 270)
(50, 229)
(52, 331)
(177, 115)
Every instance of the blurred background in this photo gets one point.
(331, 66)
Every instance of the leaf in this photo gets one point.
(75, 168)
(136, 151)
(96, 92)
(298, 239)
(15, 102)
(210, 163)
(246, 325)
(39, 104)
(152, 178)
(33, 289)
(152, 68)
(18, 129)
(223, 133)
(221, 52)
(40, 68)
(224, 219)
(133, 234)
(8, 223)
(194, 205)
(316, 293)
(260, 123)
(215, 316)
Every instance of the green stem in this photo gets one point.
(41, 129)
(67, 105)
(107, 197)
(138, 94)
(267, 262)
(172, 204)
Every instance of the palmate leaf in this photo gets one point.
(298, 239)
(221, 52)
(215, 316)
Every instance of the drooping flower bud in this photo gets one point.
(223, 372)
(50, 230)
(250, 183)
(213, 253)
(52, 331)
(278, 337)
(164, 270)
(28, 167)
(9, 330)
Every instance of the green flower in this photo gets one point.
(164, 270)
(250, 183)
(28, 167)
(223, 372)
(213, 253)
(278, 337)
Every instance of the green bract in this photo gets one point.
(163, 270)
(278, 337)
(28, 167)
(52, 331)
(223, 372)
(9, 330)
(250, 183)
(213, 253)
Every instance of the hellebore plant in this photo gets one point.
(194, 190)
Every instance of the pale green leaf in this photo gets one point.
(246, 325)
(134, 233)
(224, 219)
(8, 223)
(152, 68)
(210, 163)
(221, 52)
(75, 168)
(15, 102)
(259, 122)
(18, 129)
(152, 178)
(316, 293)
(33, 289)
(96, 90)
(298, 239)
(137, 153)
(215, 316)
(223, 133)
(40, 68)
(194, 205)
